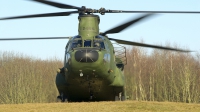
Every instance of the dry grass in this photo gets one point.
(127, 106)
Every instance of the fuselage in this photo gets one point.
(90, 70)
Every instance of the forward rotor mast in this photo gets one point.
(88, 26)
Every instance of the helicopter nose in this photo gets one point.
(86, 55)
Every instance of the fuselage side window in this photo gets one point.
(68, 47)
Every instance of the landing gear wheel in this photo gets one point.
(116, 98)
(123, 98)
(120, 97)
(58, 99)
(62, 98)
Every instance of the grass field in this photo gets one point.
(127, 106)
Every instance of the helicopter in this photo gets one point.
(93, 70)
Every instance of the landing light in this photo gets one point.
(81, 74)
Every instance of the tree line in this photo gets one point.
(26, 79)
(163, 76)
(150, 76)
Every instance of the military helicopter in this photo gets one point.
(93, 69)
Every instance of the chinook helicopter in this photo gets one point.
(93, 68)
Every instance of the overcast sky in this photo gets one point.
(180, 29)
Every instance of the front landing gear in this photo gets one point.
(62, 98)
(119, 93)
(120, 97)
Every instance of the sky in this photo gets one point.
(180, 29)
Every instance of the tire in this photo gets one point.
(58, 99)
(123, 98)
(116, 98)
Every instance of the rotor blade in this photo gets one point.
(35, 38)
(59, 5)
(121, 11)
(147, 45)
(41, 15)
(125, 25)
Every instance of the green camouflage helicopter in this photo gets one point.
(93, 68)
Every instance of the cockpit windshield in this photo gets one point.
(98, 42)
(76, 43)
(87, 43)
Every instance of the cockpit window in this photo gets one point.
(76, 43)
(73, 43)
(99, 42)
(87, 43)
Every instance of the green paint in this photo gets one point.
(101, 79)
